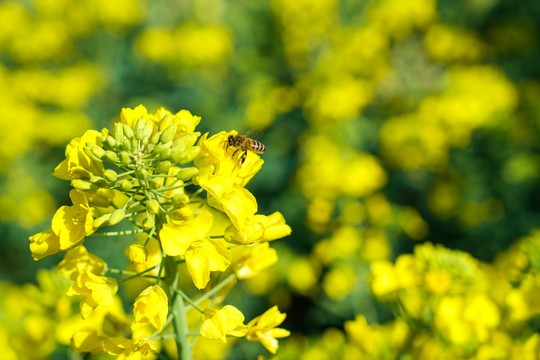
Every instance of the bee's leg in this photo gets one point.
(234, 153)
(243, 157)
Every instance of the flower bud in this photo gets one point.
(185, 141)
(148, 222)
(163, 167)
(180, 200)
(83, 185)
(125, 159)
(188, 173)
(98, 181)
(117, 216)
(110, 175)
(111, 156)
(191, 154)
(110, 142)
(165, 122)
(102, 220)
(178, 156)
(118, 132)
(148, 129)
(155, 138)
(156, 183)
(98, 152)
(126, 185)
(165, 154)
(128, 131)
(139, 128)
(180, 213)
(152, 206)
(126, 144)
(137, 253)
(168, 133)
(142, 174)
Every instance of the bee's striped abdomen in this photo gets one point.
(257, 146)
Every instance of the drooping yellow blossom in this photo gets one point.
(259, 228)
(96, 290)
(206, 255)
(216, 324)
(189, 238)
(177, 236)
(88, 340)
(44, 244)
(73, 223)
(151, 307)
(255, 259)
(263, 329)
(79, 260)
(137, 253)
(129, 349)
(78, 165)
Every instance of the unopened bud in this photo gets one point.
(163, 167)
(165, 154)
(178, 156)
(148, 222)
(118, 132)
(125, 159)
(98, 181)
(111, 156)
(191, 154)
(128, 131)
(180, 200)
(139, 128)
(180, 213)
(102, 220)
(83, 185)
(137, 253)
(156, 183)
(110, 175)
(126, 144)
(148, 129)
(98, 152)
(152, 206)
(168, 133)
(155, 138)
(117, 216)
(188, 173)
(111, 142)
(165, 122)
(126, 185)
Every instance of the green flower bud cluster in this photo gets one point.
(145, 157)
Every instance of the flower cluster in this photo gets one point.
(152, 170)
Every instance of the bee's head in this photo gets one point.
(230, 140)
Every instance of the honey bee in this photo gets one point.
(244, 144)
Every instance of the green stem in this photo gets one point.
(181, 293)
(214, 290)
(178, 309)
(131, 273)
(117, 233)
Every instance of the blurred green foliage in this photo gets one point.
(388, 124)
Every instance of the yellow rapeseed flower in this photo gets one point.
(151, 307)
(255, 259)
(73, 223)
(216, 324)
(79, 260)
(96, 290)
(263, 329)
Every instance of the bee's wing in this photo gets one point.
(253, 133)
